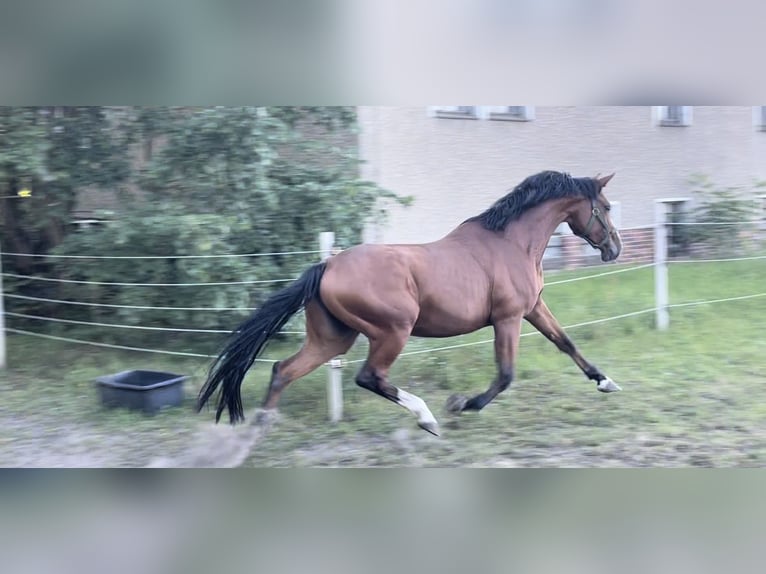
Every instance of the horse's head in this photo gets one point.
(590, 220)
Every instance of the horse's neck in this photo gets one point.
(529, 234)
(534, 229)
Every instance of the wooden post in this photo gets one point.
(660, 265)
(334, 374)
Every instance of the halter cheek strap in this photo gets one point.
(596, 215)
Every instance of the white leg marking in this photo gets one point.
(416, 405)
(607, 385)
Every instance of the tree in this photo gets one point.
(55, 152)
(218, 181)
(286, 173)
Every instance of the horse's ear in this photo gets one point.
(602, 181)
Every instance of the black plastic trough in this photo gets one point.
(148, 391)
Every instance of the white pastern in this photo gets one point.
(607, 385)
(416, 405)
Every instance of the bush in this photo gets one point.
(214, 181)
(734, 209)
(168, 237)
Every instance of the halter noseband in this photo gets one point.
(596, 215)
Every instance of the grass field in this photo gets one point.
(694, 395)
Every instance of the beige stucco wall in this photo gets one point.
(456, 168)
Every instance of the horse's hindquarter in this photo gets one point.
(371, 289)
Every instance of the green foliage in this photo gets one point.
(57, 153)
(23, 144)
(733, 208)
(206, 181)
(176, 236)
(289, 173)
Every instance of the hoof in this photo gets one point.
(607, 385)
(456, 404)
(431, 427)
(265, 417)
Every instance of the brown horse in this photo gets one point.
(488, 271)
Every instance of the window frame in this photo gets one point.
(663, 118)
(503, 113)
(454, 112)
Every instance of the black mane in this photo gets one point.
(533, 191)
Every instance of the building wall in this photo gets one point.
(455, 168)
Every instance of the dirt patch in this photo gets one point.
(38, 441)
(221, 446)
(34, 442)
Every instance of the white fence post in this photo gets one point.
(2, 316)
(334, 378)
(660, 264)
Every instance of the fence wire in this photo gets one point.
(222, 331)
(122, 284)
(221, 256)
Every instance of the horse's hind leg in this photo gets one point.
(326, 338)
(374, 376)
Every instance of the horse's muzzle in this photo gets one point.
(609, 254)
(612, 249)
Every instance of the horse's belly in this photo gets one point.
(446, 323)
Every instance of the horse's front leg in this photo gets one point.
(544, 321)
(506, 347)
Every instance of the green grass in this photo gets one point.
(694, 395)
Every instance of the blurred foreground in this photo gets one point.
(693, 395)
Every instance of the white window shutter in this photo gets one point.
(759, 117)
(686, 117)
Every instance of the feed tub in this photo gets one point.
(148, 391)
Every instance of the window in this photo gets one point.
(454, 112)
(512, 113)
(507, 113)
(759, 118)
(673, 115)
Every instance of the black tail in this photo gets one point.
(249, 339)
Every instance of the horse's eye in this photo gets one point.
(607, 208)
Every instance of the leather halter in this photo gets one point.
(596, 215)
